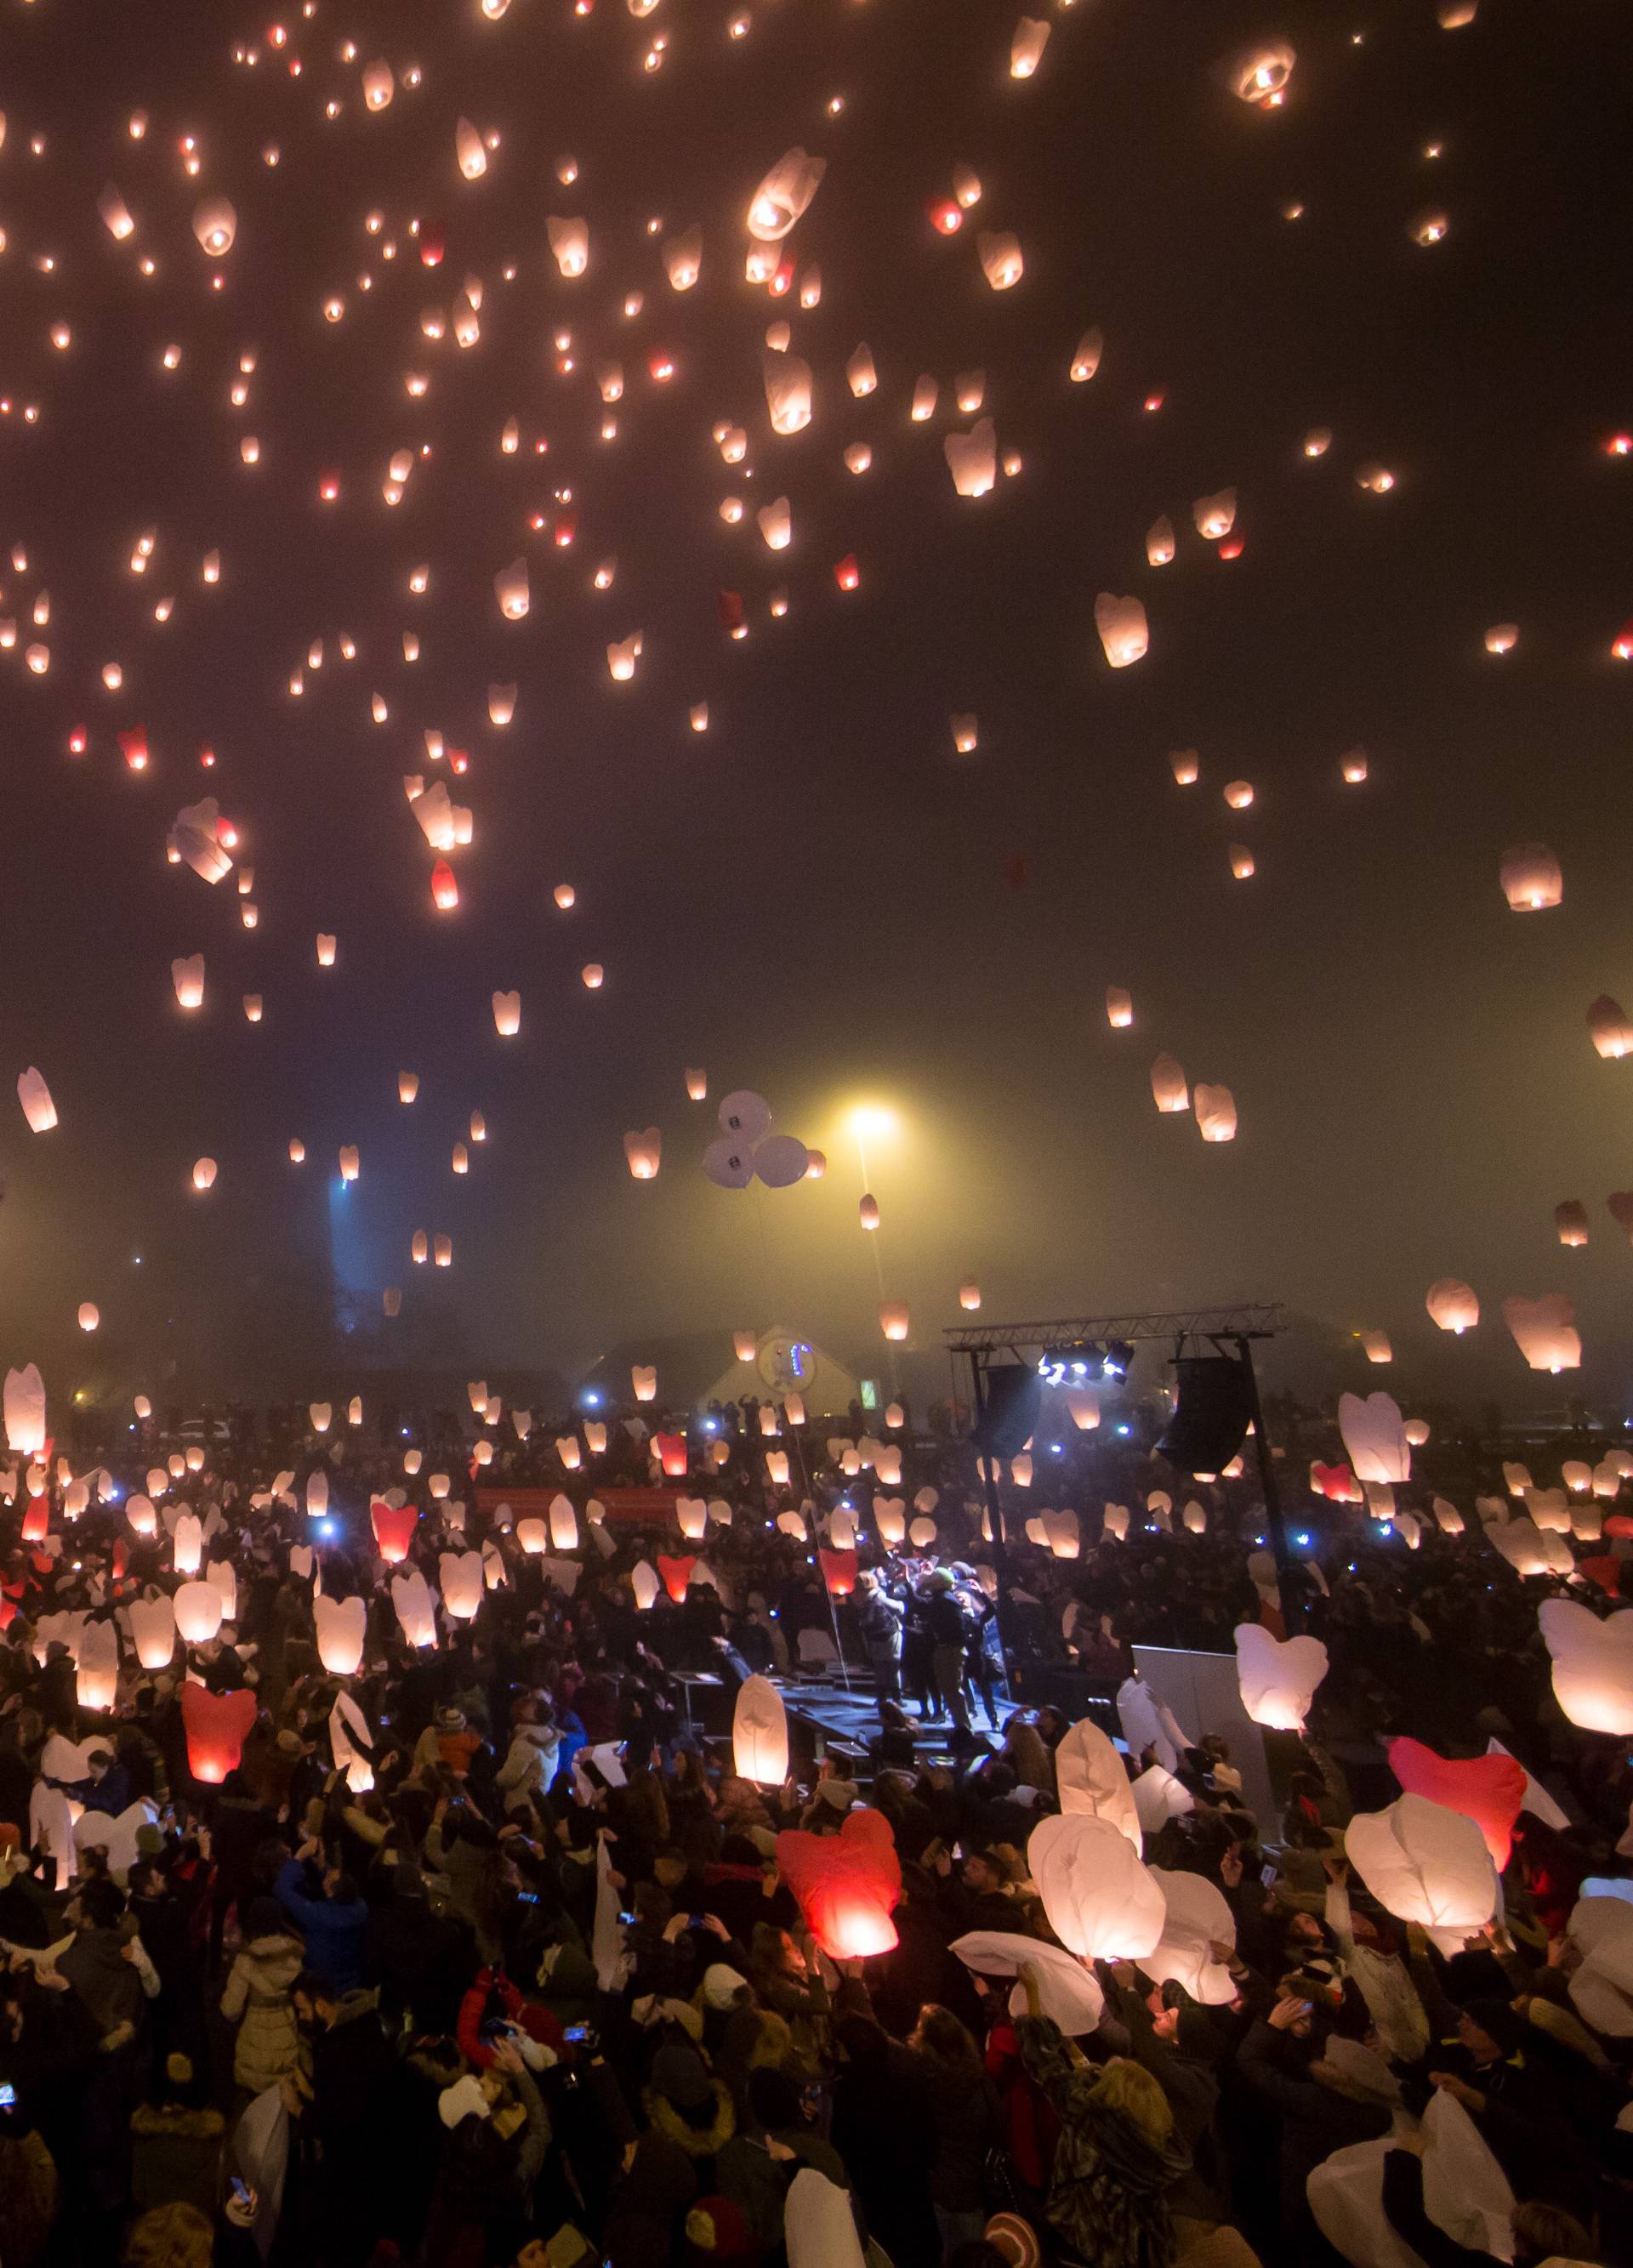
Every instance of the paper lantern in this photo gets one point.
(142, 1518)
(1101, 1900)
(1375, 1436)
(683, 258)
(153, 1630)
(35, 1097)
(1092, 1783)
(394, 1526)
(317, 1495)
(1277, 1677)
(1030, 38)
(859, 373)
(644, 1151)
(1452, 1306)
(320, 1413)
(1593, 1665)
(442, 1251)
(1169, 1090)
(460, 1578)
(215, 224)
(1425, 1864)
(188, 975)
(893, 1318)
(1531, 878)
(217, 1727)
(340, 1628)
(569, 241)
(847, 1885)
(1490, 1790)
(787, 393)
(644, 1582)
(187, 1544)
(692, 1512)
(759, 1734)
(921, 1535)
(96, 1668)
(1261, 75)
(972, 459)
(677, 1575)
(1002, 264)
(412, 1597)
(1197, 1919)
(25, 1407)
(507, 1014)
(783, 196)
(1123, 630)
(590, 975)
(325, 950)
(197, 1612)
(839, 1571)
(1543, 1329)
(1502, 637)
(469, 149)
(1215, 1112)
(776, 525)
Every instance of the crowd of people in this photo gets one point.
(481, 1952)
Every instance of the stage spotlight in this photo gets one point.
(1119, 1355)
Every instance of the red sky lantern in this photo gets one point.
(432, 248)
(36, 1519)
(676, 1574)
(218, 1724)
(393, 1527)
(566, 528)
(847, 1885)
(1488, 1790)
(847, 574)
(672, 1454)
(133, 744)
(661, 369)
(444, 888)
(946, 216)
(838, 1572)
(730, 606)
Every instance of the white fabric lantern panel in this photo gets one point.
(1101, 1900)
(1278, 1677)
(1425, 1864)
(760, 1733)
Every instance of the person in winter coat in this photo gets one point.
(332, 1923)
(879, 1617)
(884, 2130)
(529, 1765)
(1316, 2118)
(1117, 2157)
(963, 2103)
(347, 2117)
(257, 1999)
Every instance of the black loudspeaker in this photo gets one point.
(1212, 1413)
(1013, 1394)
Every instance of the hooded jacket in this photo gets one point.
(1109, 2185)
(257, 1999)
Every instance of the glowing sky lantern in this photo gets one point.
(1215, 1113)
(393, 1527)
(893, 1318)
(1123, 629)
(198, 1612)
(501, 703)
(348, 1161)
(461, 1576)
(340, 1628)
(787, 393)
(414, 1603)
(1169, 1089)
(1278, 1677)
(1101, 1900)
(759, 1734)
(507, 1014)
(643, 1152)
(644, 1382)
(1531, 878)
(205, 1174)
(972, 459)
(1452, 1307)
(564, 1524)
(1261, 75)
(1593, 1661)
(35, 1097)
(1543, 1331)
(1159, 543)
(1427, 1865)
(510, 587)
(216, 1726)
(1502, 637)
(1609, 1029)
(784, 195)
(187, 976)
(153, 1630)
(215, 224)
(569, 241)
(1570, 1221)
(379, 85)
(1001, 263)
(1214, 516)
(469, 150)
(847, 1885)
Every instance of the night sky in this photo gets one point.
(817, 898)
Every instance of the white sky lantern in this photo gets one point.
(442, 1251)
(970, 390)
(321, 1414)
(926, 393)
(534, 1538)
(142, 1518)
(1260, 76)
(1375, 1439)
(776, 525)
(893, 1318)
(1429, 227)
(325, 949)
(569, 240)
(622, 658)
(1593, 1665)
(348, 1161)
(759, 1734)
(1425, 1864)
(643, 1152)
(1531, 878)
(510, 587)
(317, 1495)
(1101, 1900)
(921, 1534)
(461, 1576)
(1609, 1029)
(860, 373)
(1031, 37)
(1169, 1090)
(1214, 515)
(1278, 1677)
(692, 1512)
(1159, 542)
(1578, 1474)
(90, 1315)
(408, 1086)
(204, 1174)
(501, 703)
(1001, 263)
(972, 459)
(783, 196)
(35, 1097)
(1124, 632)
(379, 85)
(644, 1583)
(564, 1524)
(1375, 1346)
(340, 1627)
(1242, 864)
(683, 258)
(644, 1381)
(469, 149)
(215, 224)
(115, 214)
(1502, 637)
(1086, 356)
(507, 1014)
(1455, 15)
(416, 1607)
(153, 1629)
(187, 973)
(1060, 1530)
(787, 393)
(1452, 1306)
(1543, 1331)
(1215, 1112)
(197, 1609)
(1119, 1008)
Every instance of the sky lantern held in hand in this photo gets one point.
(760, 1733)
(1101, 1900)
(847, 1885)
(217, 1727)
